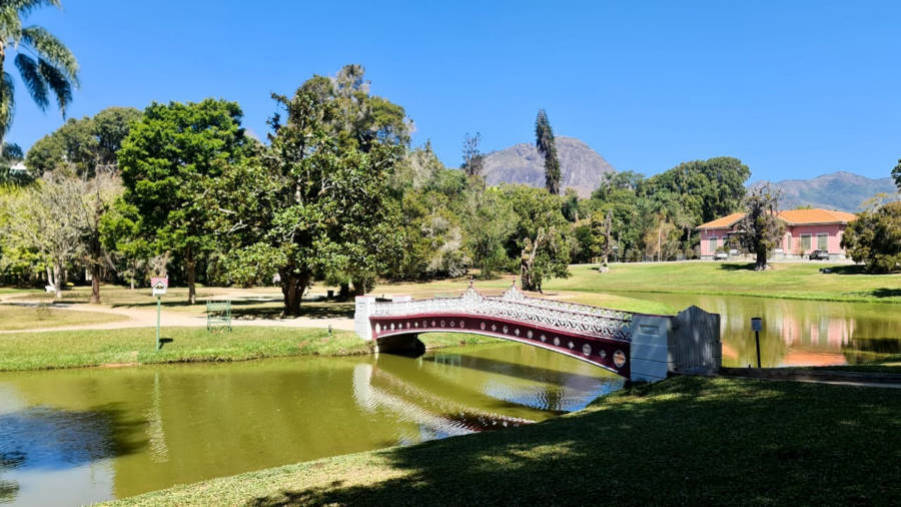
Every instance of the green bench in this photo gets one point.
(218, 313)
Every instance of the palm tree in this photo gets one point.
(46, 66)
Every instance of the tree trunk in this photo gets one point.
(191, 274)
(50, 281)
(761, 260)
(57, 276)
(344, 292)
(293, 287)
(95, 284)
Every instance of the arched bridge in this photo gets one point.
(635, 346)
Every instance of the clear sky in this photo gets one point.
(795, 89)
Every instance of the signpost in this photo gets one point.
(159, 285)
(757, 326)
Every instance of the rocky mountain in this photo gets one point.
(841, 191)
(580, 166)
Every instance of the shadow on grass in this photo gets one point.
(310, 310)
(850, 269)
(699, 441)
(737, 267)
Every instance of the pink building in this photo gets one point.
(805, 230)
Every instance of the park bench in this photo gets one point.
(218, 313)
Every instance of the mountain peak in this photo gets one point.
(839, 190)
(581, 168)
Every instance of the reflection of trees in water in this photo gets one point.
(42, 437)
(52, 439)
(868, 350)
(9, 460)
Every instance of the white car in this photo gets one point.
(720, 256)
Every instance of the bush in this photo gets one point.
(875, 239)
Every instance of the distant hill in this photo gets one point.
(841, 190)
(580, 166)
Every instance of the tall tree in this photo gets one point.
(544, 141)
(45, 65)
(320, 204)
(761, 229)
(473, 160)
(170, 162)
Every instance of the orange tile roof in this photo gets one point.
(816, 216)
(791, 217)
(724, 222)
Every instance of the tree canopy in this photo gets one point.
(170, 163)
(547, 147)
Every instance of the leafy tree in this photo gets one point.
(120, 236)
(707, 189)
(541, 238)
(321, 204)
(84, 147)
(602, 235)
(490, 223)
(761, 230)
(45, 65)
(875, 238)
(44, 219)
(170, 162)
(544, 141)
(473, 160)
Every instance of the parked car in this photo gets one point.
(720, 256)
(819, 255)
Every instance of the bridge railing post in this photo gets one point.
(363, 310)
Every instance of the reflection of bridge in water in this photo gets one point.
(636, 346)
(375, 388)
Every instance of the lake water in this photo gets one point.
(70, 437)
(796, 332)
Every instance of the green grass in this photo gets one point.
(786, 280)
(687, 441)
(68, 349)
(13, 318)
(131, 347)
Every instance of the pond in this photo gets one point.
(70, 437)
(797, 332)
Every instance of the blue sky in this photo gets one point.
(795, 89)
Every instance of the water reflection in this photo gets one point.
(58, 446)
(80, 436)
(796, 333)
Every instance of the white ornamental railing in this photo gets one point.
(515, 305)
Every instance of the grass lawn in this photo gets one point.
(13, 318)
(129, 347)
(687, 440)
(799, 280)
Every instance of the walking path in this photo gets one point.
(135, 317)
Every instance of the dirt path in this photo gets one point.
(146, 317)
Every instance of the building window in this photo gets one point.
(822, 243)
(805, 243)
(713, 244)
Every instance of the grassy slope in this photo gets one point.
(69, 349)
(785, 280)
(682, 441)
(13, 318)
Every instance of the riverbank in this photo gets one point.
(684, 440)
(797, 280)
(137, 346)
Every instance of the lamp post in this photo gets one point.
(159, 286)
(757, 326)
